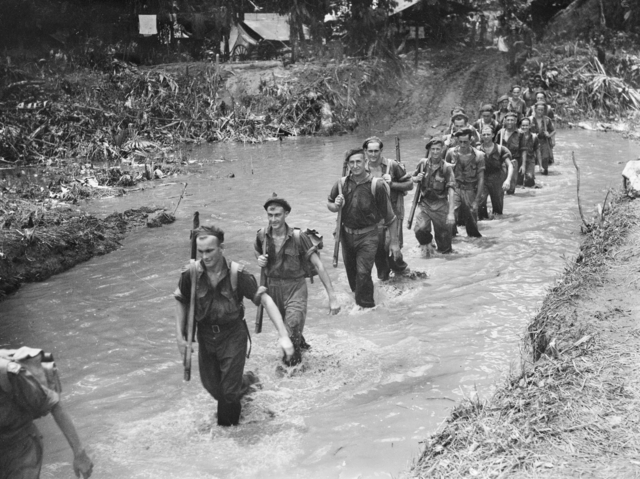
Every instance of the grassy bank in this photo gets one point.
(571, 408)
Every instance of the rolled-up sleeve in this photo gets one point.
(248, 287)
(480, 163)
(450, 177)
(36, 399)
(307, 245)
(505, 154)
(183, 291)
(383, 202)
(334, 193)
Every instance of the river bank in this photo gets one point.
(570, 406)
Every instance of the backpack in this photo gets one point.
(36, 361)
(316, 240)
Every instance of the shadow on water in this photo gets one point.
(374, 384)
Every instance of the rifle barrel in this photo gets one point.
(336, 248)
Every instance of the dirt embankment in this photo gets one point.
(447, 78)
(572, 409)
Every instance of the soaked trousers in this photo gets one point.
(433, 212)
(462, 201)
(358, 254)
(290, 296)
(493, 189)
(22, 458)
(530, 173)
(385, 263)
(221, 358)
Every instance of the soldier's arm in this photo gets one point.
(481, 168)
(248, 288)
(506, 158)
(335, 201)
(401, 181)
(334, 307)
(82, 465)
(182, 296)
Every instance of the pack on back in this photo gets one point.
(316, 240)
(36, 361)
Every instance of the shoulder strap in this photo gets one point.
(5, 385)
(235, 269)
(296, 239)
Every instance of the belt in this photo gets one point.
(218, 328)
(467, 186)
(360, 231)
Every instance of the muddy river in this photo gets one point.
(376, 383)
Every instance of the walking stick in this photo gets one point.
(416, 199)
(263, 282)
(192, 302)
(336, 248)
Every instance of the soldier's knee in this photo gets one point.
(423, 237)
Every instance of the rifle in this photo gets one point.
(416, 200)
(192, 302)
(336, 248)
(263, 282)
(400, 199)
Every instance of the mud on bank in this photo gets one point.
(571, 408)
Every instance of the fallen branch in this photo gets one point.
(573, 158)
(180, 199)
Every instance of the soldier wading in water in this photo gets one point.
(219, 319)
(366, 204)
(288, 256)
(436, 185)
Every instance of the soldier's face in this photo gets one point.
(540, 110)
(504, 104)
(486, 116)
(436, 151)
(465, 142)
(510, 122)
(373, 151)
(525, 125)
(540, 97)
(209, 250)
(276, 215)
(487, 136)
(357, 164)
(458, 124)
(516, 92)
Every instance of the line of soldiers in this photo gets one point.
(455, 180)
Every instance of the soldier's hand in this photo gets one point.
(286, 345)
(334, 307)
(339, 201)
(394, 249)
(451, 219)
(262, 260)
(387, 178)
(474, 206)
(506, 185)
(522, 169)
(182, 346)
(82, 465)
(418, 178)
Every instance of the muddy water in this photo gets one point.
(375, 383)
